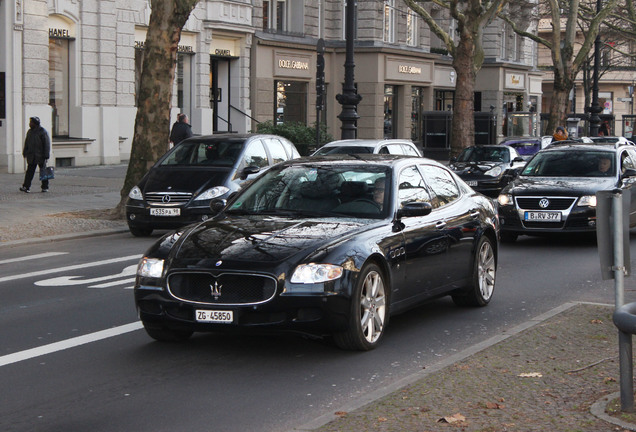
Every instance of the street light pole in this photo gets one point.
(349, 99)
(595, 108)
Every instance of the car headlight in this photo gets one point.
(212, 193)
(587, 201)
(494, 171)
(505, 199)
(135, 193)
(316, 273)
(150, 267)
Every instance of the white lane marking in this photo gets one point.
(68, 268)
(73, 280)
(69, 343)
(114, 283)
(32, 257)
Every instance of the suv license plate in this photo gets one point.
(472, 183)
(165, 211)
(542, 216)
(215, 316)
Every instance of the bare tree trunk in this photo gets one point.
(154, 101)
(463, 123)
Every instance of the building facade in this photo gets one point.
(76, 65)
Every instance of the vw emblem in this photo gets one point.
(215, 290)
(165, 199)
(544, 203)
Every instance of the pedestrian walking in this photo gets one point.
(37, 149)
(181, 129)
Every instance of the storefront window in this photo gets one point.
(390, 102)
(59, 85)
(184, 83)
(444, 100)
(290, 102)
(417, 110)
(139, 62)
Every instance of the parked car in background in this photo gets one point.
(611, 139)
(324, 245)
(556, 191)
(525, 146)
(487, 168)
(178, 189)
(361, 146)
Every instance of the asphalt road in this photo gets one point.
(73, 356)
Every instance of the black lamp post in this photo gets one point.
(595, 108)
(349, 99)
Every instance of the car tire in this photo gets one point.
(508, 237)
(483, 279)
(163, 334)
(140, 232)
(369, 312)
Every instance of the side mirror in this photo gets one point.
(518, 159)
(453, 159)
(249, 170)
(415, 209)
(217, 205)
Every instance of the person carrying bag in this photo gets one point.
(37, 149)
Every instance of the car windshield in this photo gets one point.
(318, 191)
(484, 154)
(201, 153)
(571, 163)
(344, 150)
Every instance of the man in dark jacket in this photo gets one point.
(181, 129)
(37, 149)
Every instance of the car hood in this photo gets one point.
(476, 168)
(175, 179)
(252, 239)
(559, 185)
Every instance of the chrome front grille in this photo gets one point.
(168, 198)
(222, 288)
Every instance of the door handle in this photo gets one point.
(474, 213)
(440, 225)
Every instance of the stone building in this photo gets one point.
(76, 65)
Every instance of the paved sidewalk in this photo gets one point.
(569, 356)
(37, 215)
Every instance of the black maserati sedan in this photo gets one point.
(487, 168)
(556, 190)
(326, 245)
(177, 190)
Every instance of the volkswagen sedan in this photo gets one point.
(324, 245)
(556, 191)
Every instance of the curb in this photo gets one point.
(598, 410)
(436, 367)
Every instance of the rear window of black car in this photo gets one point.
(570, 163)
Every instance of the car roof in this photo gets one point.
(580, 145)
(514, 140)
(233, 136)
(367, 142)
(362, 159)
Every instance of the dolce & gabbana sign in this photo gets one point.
(295, 65)
(403, 69)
